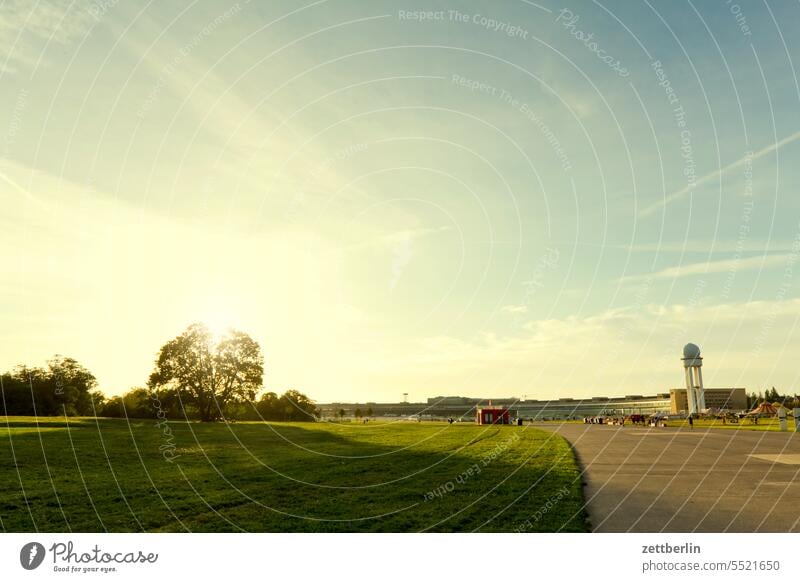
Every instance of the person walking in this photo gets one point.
(691, 422)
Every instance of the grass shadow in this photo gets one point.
(281, 477)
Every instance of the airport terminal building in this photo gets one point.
(673, 402)
(734, 399)
(694, 398)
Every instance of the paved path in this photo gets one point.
(680, 480)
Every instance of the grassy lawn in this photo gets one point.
(86, 474)
(768, 424)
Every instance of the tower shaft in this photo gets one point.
(693, 376)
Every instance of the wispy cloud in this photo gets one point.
(404, 235)
(683, 192)
(618, 351)
(26, 27)
(716, 246)
(710, 267)
(17, 188)
(398, 238)
(402, 245)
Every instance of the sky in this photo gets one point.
(526, 199)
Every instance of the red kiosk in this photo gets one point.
(492, 415)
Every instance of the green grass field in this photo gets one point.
(767, 424)
(88, 475)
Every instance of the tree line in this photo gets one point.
(63, 387)
(358, 413)
(772, 396)
(196, 377)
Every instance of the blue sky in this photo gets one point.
(433, 198)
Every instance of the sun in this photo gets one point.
(219, 320)
(218, 330)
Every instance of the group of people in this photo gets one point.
(610, 420)
(634, 419)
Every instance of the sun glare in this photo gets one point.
(220, 320)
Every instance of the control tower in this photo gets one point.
(693, 370)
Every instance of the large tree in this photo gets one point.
(209, 373)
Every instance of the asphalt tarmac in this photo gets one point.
(680, 480)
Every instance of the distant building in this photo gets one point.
(565, 408)
(673, 402)
(692, 399)
(715, 398)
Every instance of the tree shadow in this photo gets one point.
(280, 477)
